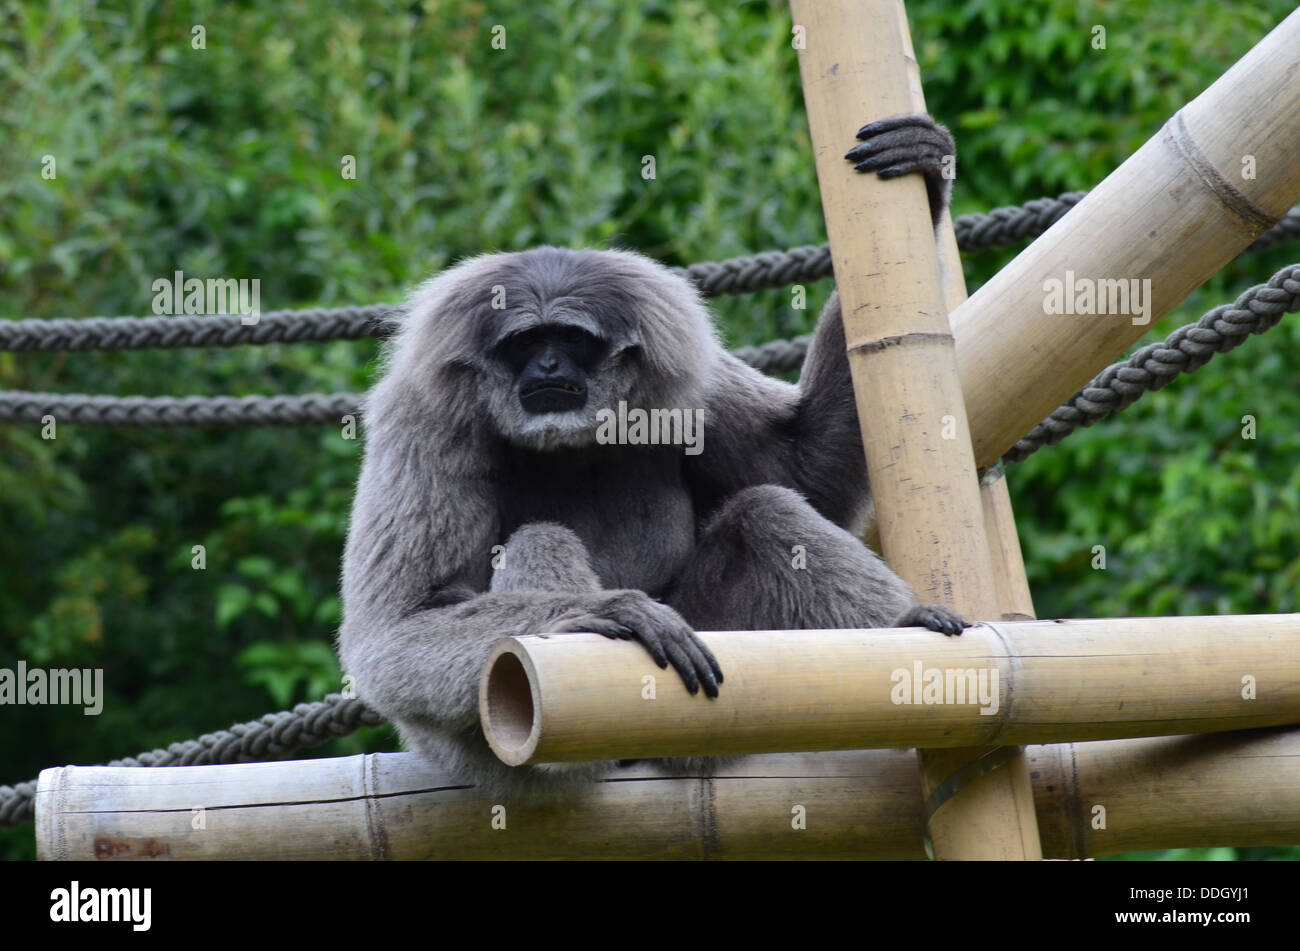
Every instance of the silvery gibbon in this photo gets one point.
(494, 501)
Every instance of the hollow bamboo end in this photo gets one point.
(509, 703)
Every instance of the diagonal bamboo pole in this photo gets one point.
(857, 57)
(1013, 598)
(1222, 171)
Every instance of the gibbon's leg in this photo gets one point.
(543, 556)
(768, 561)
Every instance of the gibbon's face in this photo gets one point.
(534, 345)
(552, 377)
(556, 340)
(551, 365)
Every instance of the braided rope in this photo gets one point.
(1186, 350)
(310, 410)
(306, 725)
(762, 271)
(313, 409)
(314, 324)
(776, 356)
(1012, 224)
(1001, 227)
(1118, 386)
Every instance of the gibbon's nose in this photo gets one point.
(548, 363)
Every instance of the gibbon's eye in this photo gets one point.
(514, 350)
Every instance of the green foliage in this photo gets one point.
(225, 161)
(280, 668)
(1180, 855)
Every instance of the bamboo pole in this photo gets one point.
(858, 55)
(1222, 171)
(1014, 600)
(962, 831)
(581, 697)
(1101, 798)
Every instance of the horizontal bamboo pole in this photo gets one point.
(583, 697)
(1238, 789)
(1222, 171)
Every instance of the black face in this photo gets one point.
(551, 365)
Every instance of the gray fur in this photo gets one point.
(605, 538)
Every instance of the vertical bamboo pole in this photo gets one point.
(856, 57)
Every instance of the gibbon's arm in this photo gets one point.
(808, 439)
(759, 430)
(418, 552)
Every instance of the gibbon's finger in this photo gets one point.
(589, 623)
(894, 171)
(933, 617)
(701, 666)
(895, 122)
(885, 152)
(907, 138)
(714, 667)
(682, 664)
(624, 633)
(651, 643)
(944, 620)
(900, 156)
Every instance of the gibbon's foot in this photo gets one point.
(935, 617)
(912, 142)
(634, 615)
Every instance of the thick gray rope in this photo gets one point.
(776, 356)
(1186, 350)
(219, 330)
(1001, 227)
(311, 409)
(306, 725)
(18, 406)
(1012, 224)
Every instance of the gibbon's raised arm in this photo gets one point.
(759, 430)
(808, 439)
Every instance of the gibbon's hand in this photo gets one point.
(935, 617)
(913, 142)
(634, 615)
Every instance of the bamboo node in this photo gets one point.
(898, 340)
(1181, 140)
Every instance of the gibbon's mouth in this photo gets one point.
(553, 396)
(560, 386)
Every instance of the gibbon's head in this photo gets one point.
(535, 343)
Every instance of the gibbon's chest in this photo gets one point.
(630, 507)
